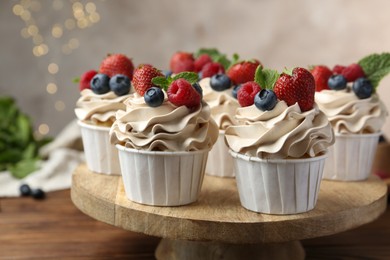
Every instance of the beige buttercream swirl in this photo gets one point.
(284, 132)
(163, 128)
(99, 109)
(349, 114)
(222, 104)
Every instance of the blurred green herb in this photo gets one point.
(18, 147)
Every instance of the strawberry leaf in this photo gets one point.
(376, 67)
(191, 77)
(288, 71)
(161, 82)
(266, 78)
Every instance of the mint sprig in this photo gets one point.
(216, 56)
(376, 67)
(164, 82)
(266, 78)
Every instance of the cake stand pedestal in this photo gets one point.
(218, 227)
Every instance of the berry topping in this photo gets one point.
(182, 61)
(321, 75)
(201, 61)
(243, 72)
(337, 82)
(266, 100)
(154, 96)
(120, 84)
(353, 72)
(220, 82)
(181, 93)
(37, 194)
(167, 73)
(338, 69)
(298, 87)
(25, 190)
(211, 69)
(235, 90)
(362, 88)
(142, 79)
(100, 84)
(85, 80)
(117, 64)
(246, 94)
(198, 88)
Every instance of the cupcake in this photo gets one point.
(102, 94)
(357, 115)
(163, 139)
(280, 143)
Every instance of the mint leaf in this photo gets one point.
(161, 81)
(376, 67)
(266, 78)
(191, 77)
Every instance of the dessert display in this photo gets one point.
(346, 94)
(163, 137)
(102, 94)
(280, 143)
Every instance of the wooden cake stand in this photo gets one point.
(218, 227)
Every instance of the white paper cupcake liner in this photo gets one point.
(162, 178)
(278, 186)
(351, 157)
(100, 155)
(219, 162)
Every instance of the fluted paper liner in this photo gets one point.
(100, 155)
(219, 162)
(278, 186)
(162, 178)
(351, 157)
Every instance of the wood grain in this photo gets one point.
(218, 215)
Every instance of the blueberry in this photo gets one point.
(25, 190)
(198, 88)
(235, 90)
(154, 96)
(220, 82)
(120, 84)
(337, 82)
(362, 88)
(200, 75)
(265, 100)
(100, 84)
(167, 73)
(37, 194)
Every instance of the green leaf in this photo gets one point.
(215, 55)
(161, 81)
(266, 78)
(376, 67)
(288, 71)
(76, 80)
(24, 168)
(191, 77)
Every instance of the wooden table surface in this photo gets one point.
(54, 228)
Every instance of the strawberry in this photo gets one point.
(321, 75)
(201, 61)
(212, 68)
(246, 94)
(117, 64)
(182, 61)
(300, 87)
(243, 72)
(142, 78)
(353, 72)
(181, 93)
(85, 79)
(337, 69)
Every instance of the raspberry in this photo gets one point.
(212, 68)
(201, 61)
(321, 76)
(182, 61)
(338, 69)
(85, 79)
(353, 72)
(181, 93)
(142, 79)
(246, 94)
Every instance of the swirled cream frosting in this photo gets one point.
(349, 114)
(284, 132)
(98, 109)
(222, 104)
(163, 128)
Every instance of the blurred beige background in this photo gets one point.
(45, 44)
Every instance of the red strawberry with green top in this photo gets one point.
(337, 69)
(243, 72)
(142, 78)
(117, 64)
(211, 69)
(182, 93)
(201, 61)
(353, 72)
(321, 75)
(85, 79)
(246, 94)
(182, 61)
(296, 88)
